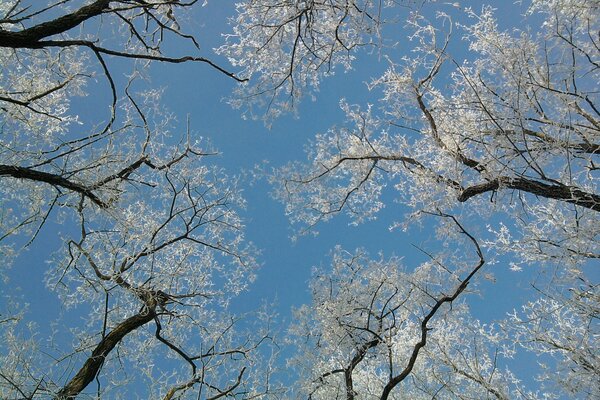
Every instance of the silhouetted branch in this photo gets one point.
(90, 368)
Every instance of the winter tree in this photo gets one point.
(493, 132)
(153, 242)
(498, 127)
(377, 331)
(516, 123)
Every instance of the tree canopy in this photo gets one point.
(153, 243)
(485, 135)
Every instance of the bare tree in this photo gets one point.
(378, 330)
(497, 126)
(47, 62)
(154, 247)
(287, 48)
(517, 128)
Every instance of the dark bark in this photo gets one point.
(28, 36)
(396, 380)
(92, 366)
(358, 357)
(556, 191)
(52, 179)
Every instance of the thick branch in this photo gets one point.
(53, 27)
(52, 179)
(582, 147)
(561, 192)
(358, 357)
(394, 381)
(88, 372)
(32, 38)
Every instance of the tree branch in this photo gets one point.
(358, 357)
(561, 192)
(52, 179)
(54, 27)
(88, 372)
(394, 381)
(32, 38)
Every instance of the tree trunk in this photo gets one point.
(90, 369)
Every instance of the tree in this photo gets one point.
(286, 48)
(506, 141)
(154, 247)
(563, 328)
(518, 125)
(377, 331)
